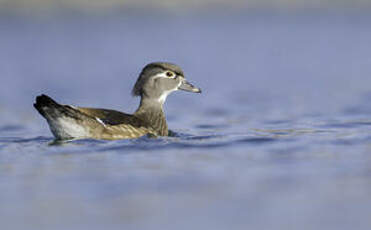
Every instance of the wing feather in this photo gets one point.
(111, 117)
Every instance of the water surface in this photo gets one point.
(279, 139)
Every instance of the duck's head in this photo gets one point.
(158, 79)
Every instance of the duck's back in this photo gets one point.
(110, 117)
(118, 125)
(68, 122)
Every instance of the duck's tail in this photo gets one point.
(45, 105)
(50, 109)
(65, 121)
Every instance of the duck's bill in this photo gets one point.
(186, 86)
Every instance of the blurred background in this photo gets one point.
(175, 4)
(279, 139)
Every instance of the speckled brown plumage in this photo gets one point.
(111, 124)
(156, 81)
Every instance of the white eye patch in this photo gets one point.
(165, 75)
(165, 93)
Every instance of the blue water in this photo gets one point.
(279, 139)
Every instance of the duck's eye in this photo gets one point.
(169, 74)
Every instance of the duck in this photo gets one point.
(155, 82)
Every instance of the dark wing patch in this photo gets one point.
(111, 117)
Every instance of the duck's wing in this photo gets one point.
(67, 122)
(110, 117)
(49, 108)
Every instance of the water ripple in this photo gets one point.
(9, 128)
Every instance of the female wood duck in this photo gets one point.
(156, 81)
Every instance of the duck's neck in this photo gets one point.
(151, 111)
